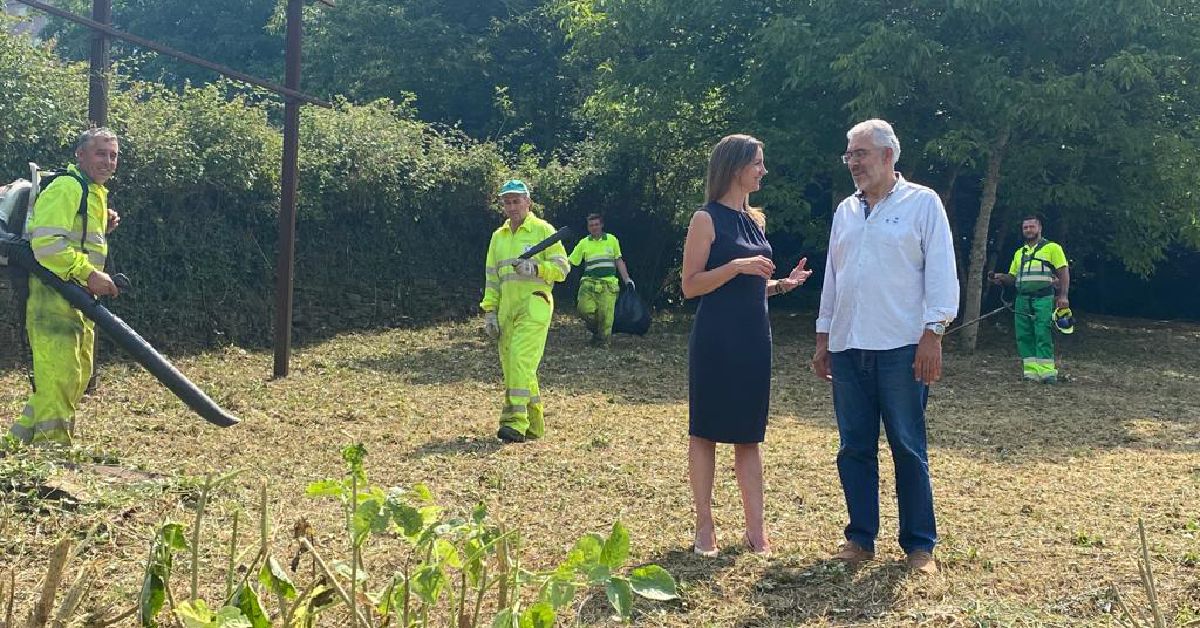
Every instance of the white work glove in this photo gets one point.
(631, 284)
(491, 325)
(526, 267)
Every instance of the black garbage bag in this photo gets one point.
(631, 315)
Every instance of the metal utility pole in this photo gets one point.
(98, 71)
(286, 261)
(98, 114)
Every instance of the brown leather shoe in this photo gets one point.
(921, 562)
(853, 554)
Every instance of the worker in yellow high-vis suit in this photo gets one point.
(1042, 276)
(60, 338)
(600, 255)
(518, 302)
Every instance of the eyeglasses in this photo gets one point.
(856, 155)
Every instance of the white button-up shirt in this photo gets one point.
(889, 271)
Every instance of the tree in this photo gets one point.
(492, 67)
(1082, 99)
(234, 33)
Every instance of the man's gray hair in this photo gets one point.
(881, 134)
(92, 134)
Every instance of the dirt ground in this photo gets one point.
(1038, 489)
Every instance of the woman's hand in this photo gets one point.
(798, 276)
(757, 265)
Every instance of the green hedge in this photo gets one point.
(393, 215)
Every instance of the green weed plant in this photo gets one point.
(454, 566)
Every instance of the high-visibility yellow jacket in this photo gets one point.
(1035, 266)
(55, 230)
(598, 255)
(502, 285)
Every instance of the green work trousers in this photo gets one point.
(1035, 342)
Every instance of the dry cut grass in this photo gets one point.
(1038, 488)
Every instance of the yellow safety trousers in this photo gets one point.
(596, 302)
(61, 339)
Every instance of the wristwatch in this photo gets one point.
(938, 328)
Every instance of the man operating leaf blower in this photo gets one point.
(53, 232)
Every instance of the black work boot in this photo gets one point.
(509, 435)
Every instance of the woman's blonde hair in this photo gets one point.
(729, 156)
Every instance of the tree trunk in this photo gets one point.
(951, 208)
(979, 242)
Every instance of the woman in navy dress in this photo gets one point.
(727, 263)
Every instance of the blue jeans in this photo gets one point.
(869, 386)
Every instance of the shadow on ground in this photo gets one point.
(823, 589)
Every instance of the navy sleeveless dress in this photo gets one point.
(729, 351)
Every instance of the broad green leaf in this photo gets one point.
(276, 580)
(505, 619)
(540, 615)
(431, 513)
(197, 616)
(246, 599)
(616, 547)
(150, 601)
(408, 519)
(653, 582)
(585, 554)
(422, 493)
(620, 595)
(558, 592)
(447, 553)
(369, 516)
(428, 583)
(479, 513)
(230, 617)
(598, 574)
(326, 488)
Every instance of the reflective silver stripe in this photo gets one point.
(1045, 361)
(21, 433)
(591, 266)
(517, 392)
(1029, 360)
(507, 262)
(491, 285)
(490, 272)
(592, 260)
(53, 425)
(534, 400)
(515, 277)
(26, 434)
(54, 248)
(557, 258)
(96, 238)
(28, 411)
(562, 263)
(41, 232)
(96, 258)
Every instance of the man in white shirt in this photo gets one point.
(890, 290)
